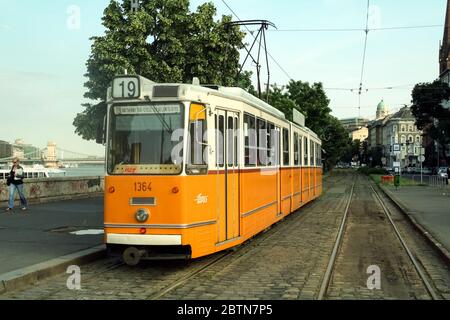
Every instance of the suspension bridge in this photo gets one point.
(52, 156)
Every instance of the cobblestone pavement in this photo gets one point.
(430, 259)
(285, 262)
(370, 240)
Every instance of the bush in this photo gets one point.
(368, 171)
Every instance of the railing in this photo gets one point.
(432, 181)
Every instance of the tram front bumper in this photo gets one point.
(143, 240)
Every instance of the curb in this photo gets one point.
(43, 200)
(20, 278)
(408, 213)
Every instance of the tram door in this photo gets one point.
(228, 145)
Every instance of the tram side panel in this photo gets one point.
(286, 192)
(296, 188)
(259, 201)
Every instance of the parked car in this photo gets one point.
(442, 172)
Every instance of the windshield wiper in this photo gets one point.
(163, 121)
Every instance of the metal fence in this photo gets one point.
(432, 181)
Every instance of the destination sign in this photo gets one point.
(126, 88)
(147, 109)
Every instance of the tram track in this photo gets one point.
(328, 278)
(416, 264)
(340, 234)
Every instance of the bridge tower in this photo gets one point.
(51, 160)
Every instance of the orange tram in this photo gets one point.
(193, 170)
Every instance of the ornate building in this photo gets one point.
(357, 128)
(382, 110)
(395, 129)
(444, 53)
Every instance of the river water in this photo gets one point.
(82, 171)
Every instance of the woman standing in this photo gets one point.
(16, 183)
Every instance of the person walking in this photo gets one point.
(16, 176)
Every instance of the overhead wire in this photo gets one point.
(358, 29)
(251, 33)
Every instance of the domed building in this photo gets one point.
(382, 110)
(395, 138)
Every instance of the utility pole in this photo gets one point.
(261, 39)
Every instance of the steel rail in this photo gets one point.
(337, 244)
(419, 270)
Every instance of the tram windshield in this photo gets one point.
(143, 139)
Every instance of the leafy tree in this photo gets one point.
(162, 41)
(313, 103)
(334, 140)
(430, 113)
(352, 151)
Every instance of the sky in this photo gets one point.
(44, 46)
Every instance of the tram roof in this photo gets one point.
(234, 93)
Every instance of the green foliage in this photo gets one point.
(352, 152)
(312, 101)
(429, 112)
(164, 42)
(375, 171)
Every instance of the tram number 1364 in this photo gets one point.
(142, 186)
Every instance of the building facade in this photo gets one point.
(400, 130)
(6, 150)
(392, 131)
(357, 128)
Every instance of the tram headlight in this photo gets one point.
(142, 215)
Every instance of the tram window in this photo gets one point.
(236, 143)
(305, 155)
(249, 140)
(220, 142)
(230, 140)
(311, 153)
(271, 144)
(300, 139)
(262, 142)
(275, 146)
(197, 144)
(296, 150)
(285, 147)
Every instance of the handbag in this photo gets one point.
(8, 181)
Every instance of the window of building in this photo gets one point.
(410, 128)
(403, 128)
(403, 139)
(394, 128)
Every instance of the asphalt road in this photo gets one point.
(43, 232)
